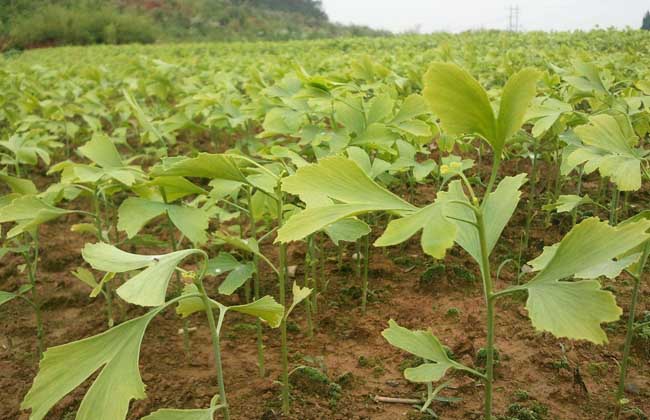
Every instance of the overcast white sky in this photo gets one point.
(459, 15)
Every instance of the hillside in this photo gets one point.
(29, 24)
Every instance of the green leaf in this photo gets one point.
(192, 221)
(415, 127)
(545, 111)
(280, 121)
(609, 268)
(177, 414)
(205, 165)
(6, 297)
(265, 308)
(497, 211)
(236, 278)
(148, 287)
(28, 212)
(19, 185)
(299, 294)
(350, 114)
(413, 106)
(438, 233)
(517, 95)
(313, 219)
(347, 230)
(609, 145)
(175, 188)
(246, 245)
(464, 108)
(101, 150)
(566, 203)
(222, 263)
(460, 102)
(135, 213)
(342, 181)
(115, 353)
(422, 344)
(86, 277)
(98, 289)
(381, 107)
(576, 310)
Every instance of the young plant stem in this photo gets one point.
(629, 333)
(364, 280)
(574, 212)
(489, 300)
(488, 286)
(282, 269)
(613, 211)
(313, 260)
(357, 266)
(530, 206)
(323, 258)
(108, 290)
(174, 246)
(32, 267)
(256, 287)
(310, 325)
(312, 276)
(216, 344)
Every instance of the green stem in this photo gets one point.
(282, 269)
(613, 211)
(216, 345)
(629, 333)
(256, 287)
(364, 280)
(314, 275)
(530, 206)
(108, 290)
(174, 245)
(357, 267)
(490, 300)
(323, 258)
(310, 325)
(32, 267)
(574, 212)
(493, 175)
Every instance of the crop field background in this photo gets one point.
(351, 228)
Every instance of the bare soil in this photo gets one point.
(572, 379)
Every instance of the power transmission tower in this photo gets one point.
(517, 18)
(513, 18)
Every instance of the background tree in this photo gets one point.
(646, 21)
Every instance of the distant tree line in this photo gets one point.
(36, 23)
(646, 21)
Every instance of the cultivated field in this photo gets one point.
(419, 227)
